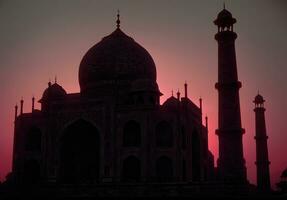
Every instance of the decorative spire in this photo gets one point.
(206, 122)
(56, 79)
(178, 94)
(172, 93)
(16, 111)
(185, 90)
(21, 106)
(200, 104)
(118, 19)
(224, 5)
(33, 103)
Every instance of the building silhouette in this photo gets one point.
(115, 131)
(262, 160)
(231, 163)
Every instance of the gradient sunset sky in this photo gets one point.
(41, 39)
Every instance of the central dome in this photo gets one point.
(117, 57)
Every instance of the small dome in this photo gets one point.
(117, 57)
(259, 99)
(53, 92)
(171, 103)
(224, 14)
(224, 18)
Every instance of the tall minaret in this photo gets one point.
(231, 163)
(262, 161)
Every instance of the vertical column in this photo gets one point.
(231, 163)
(262, 160)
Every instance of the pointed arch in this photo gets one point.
(79, 153)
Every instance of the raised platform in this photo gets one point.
(132, 190)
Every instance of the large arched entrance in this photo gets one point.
(80, 154)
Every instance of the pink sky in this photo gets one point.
(41, 40)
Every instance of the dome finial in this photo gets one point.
(224, 5)
(118, 19)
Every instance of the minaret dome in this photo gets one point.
(224, 21)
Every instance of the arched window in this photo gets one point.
(164, 169)
(132, 134)
(195, 156)
(164, 135)
(131, 170)
(33, 140)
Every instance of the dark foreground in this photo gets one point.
(135, 190)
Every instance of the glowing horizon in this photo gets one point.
(183, 48)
